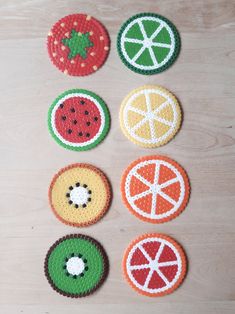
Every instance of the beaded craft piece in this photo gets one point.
(155, 189)
(76, 265)
(154, 264)
(148, 43)
(78, 44)
(150, 116)
(78, 119)
(80, 194)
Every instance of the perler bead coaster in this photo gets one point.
(76, 265)
(155, 188)
(78, 44)
(78, 119)
(79, 194)
(150, 116)
(154, 265)
(148, 43)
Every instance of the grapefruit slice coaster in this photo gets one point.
(79, 194)
(155, 188)
(76, 265)
(78, 119)
(150, 116)
(154, 265)
(148, 43)
(78, 44)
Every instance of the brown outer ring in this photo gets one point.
(186, 182)
(102, 252)
(107, 187)
(181, 253)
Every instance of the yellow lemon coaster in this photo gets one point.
(150, 116)
(79, 194)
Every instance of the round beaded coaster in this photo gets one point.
(78, 119)
(155, 188)
(150, 116)
(78, 44)
(154, 264)
(148, 43)
(80, 194)
(76, 265)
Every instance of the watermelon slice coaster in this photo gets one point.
(154, 265)
(78, 44)
(78, 119)
(148, 43)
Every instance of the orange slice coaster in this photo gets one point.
(155, 188)
(154, 264)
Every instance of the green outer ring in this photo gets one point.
(100, 250)
(165, 66)
(106, 117)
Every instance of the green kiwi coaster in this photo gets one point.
(148, 43)
(76, 265)
(78, 119)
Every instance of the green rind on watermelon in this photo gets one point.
(106, 117)
(162, 68)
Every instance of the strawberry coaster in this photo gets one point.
(148, 43)
(155, 189)
(76, 265)
(154, 265)
(80, 195)
(78, 119)
(78, 44)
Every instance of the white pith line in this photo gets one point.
(167, 183)
(154, 194)
(148, 278)
(143, 180)
(141, 26)
(157, 31)
(152, 55)
(133, 40)
(164, 121)
(140, 195)
(144, 253)
(161, 45)
(167, 282)
(136, 110)
(139, 53)
(139, 124)
(166, 197)
(149, 110)
(164, 264)
(161, 107)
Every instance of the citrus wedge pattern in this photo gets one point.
(155, 189)
(148, 43)
(154, 265)
(150, 116)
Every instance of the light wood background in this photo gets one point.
(203, 78)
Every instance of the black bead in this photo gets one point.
(86, 112)
(77, 184)
(63, 118)
(80, 133)
(88, 135)
(69, 131)
(81, 274)
(96, 118)
(67, 195)
(70, 202)
(75, 122)
(89, 199)
(89, 192)
(85, 260)
(84, 185)
(67, 274)
(66, 260)
(82, 102)
(76, 205)
(79, 255)
(61, 106)
(75, 276)
(71, 188)
(72, 254)
(86, 268)
(72, 109)
(88, 123)
(64, 267)
(83, 205)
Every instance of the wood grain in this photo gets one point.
(203, 79)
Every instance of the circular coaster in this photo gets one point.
(79, 194)
(78, 119)
(154, 265)
(76, 265)
(155, 188)
(148, 43)
(150, 116)
(78, 44)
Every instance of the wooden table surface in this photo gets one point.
(203, 78)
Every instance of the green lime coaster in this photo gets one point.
(148, 43)
(78, 119)
(76, 265)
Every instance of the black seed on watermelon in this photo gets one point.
(75, 122)
(88, 123)
(72, 109)
(63, 118)
(61, 106)
(69, 131)
(82, 102)
(86, 112)
(80, 133)
(96, 118)
(88, 135)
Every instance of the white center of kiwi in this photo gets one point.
(79, 195)
(75, 266)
